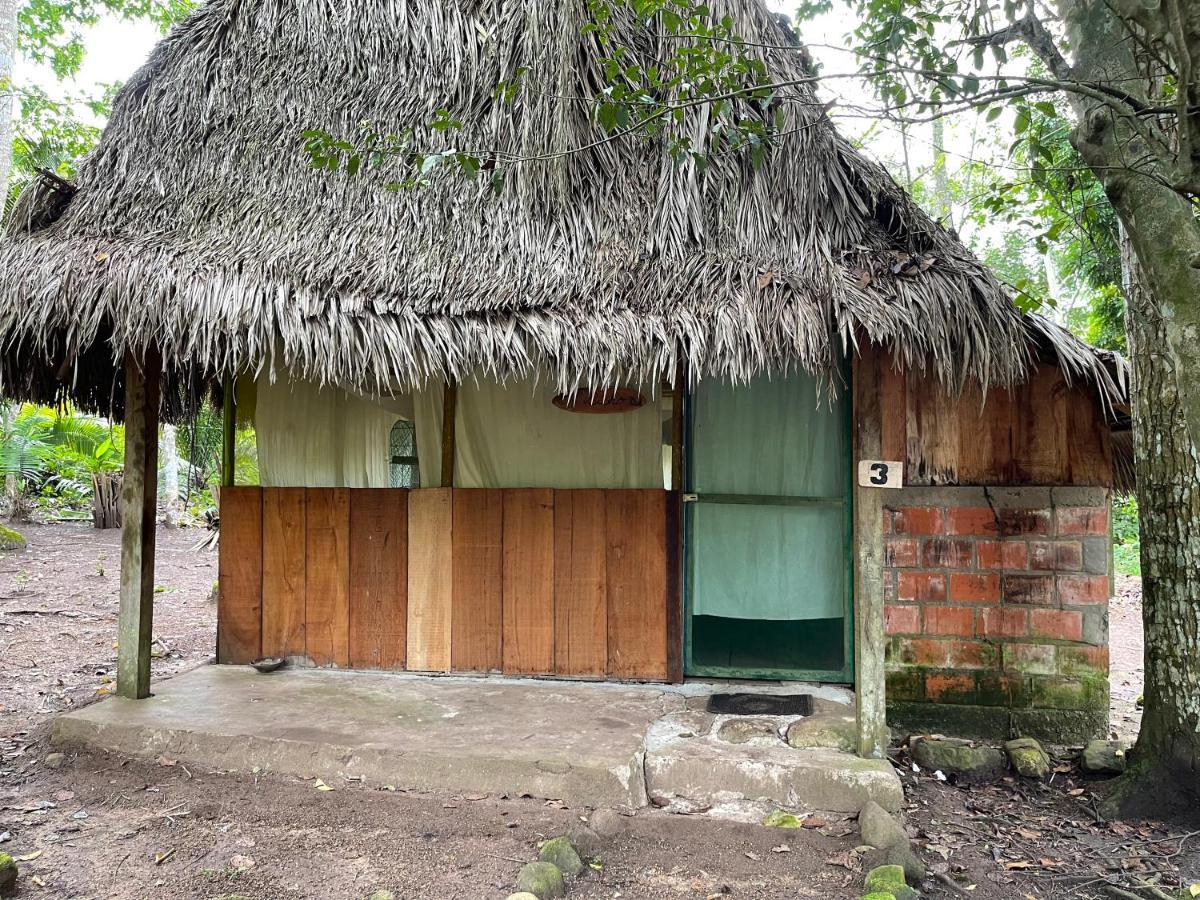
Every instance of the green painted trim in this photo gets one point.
(764, 500)
(847, 674)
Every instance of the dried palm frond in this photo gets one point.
(199, 227)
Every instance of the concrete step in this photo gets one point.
(684, 762)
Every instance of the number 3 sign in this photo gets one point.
(880, 473)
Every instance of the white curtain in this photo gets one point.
(507, 436)
(512, 435)
(310, 436)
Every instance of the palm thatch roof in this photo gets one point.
(198, 227)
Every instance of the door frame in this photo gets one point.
(846, 674)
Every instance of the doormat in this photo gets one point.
(761, 704)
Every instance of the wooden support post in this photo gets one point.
(139, 504)
(449, 432)
(870, 680)
(677, 391)
(229, 435)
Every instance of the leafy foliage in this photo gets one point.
(52, 31)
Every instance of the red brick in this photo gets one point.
(1082, 660)
(971, 655)
(918, 520)
(1023, 521)
(975, 588)
(1028, 589)
(945, 687)
(1037, 659)
(1081, 520)
(952, 654)
(902, 619)
(924, 586)
(950, 620)
(948, 554)
(1058, 624)
(902, 553)
(971, 520)
(1079, 590)
(1003, 554)
(1002, 621)
(1056, 556)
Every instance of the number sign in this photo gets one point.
(880, 473)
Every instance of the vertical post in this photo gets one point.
(139, 502)
(870, 679)
(449, 432)
(677, 428)
(229, 435)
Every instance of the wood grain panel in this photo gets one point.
(239, 608)
(478, 604)
(1040, 429)
(327, 577)
(893, 402)
(378, 578)
(580, 583)
(637, 557)
(1090, 455)
(529, 581)
(284, 570)
(430, 579)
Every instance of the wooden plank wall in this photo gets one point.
(521, 581)
(1042, 432)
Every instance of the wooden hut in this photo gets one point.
(628, 419)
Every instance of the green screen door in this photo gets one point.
(769, 531)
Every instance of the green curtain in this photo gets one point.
(770, 439)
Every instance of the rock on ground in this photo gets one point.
(1104, 758)
(955, 757)
(588, 844)
(878, 827)
(1028, 758)
(11, 539)
(562, 853)
(543, 880)
(54, 760)
(889, 880)
(607, 823)
(831, 732)
(8, 875)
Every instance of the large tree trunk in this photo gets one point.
(1163, 295)
(1166, 761)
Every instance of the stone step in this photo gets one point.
(702, 768)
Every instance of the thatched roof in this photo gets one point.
(198, 226)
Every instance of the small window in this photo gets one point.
(405, 471)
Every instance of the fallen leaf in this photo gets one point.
(782, 848)
(1019, 864)
(30, 857)
(1075, 792)
(160, 858)
(753, 856)
(321, 786)
(241, 863)
(166, 761)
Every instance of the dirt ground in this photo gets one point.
(105, 826)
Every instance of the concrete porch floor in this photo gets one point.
(595, 744)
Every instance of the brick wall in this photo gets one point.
(997, 610)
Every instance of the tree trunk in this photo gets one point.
(1162, 249)
(1166, 761)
